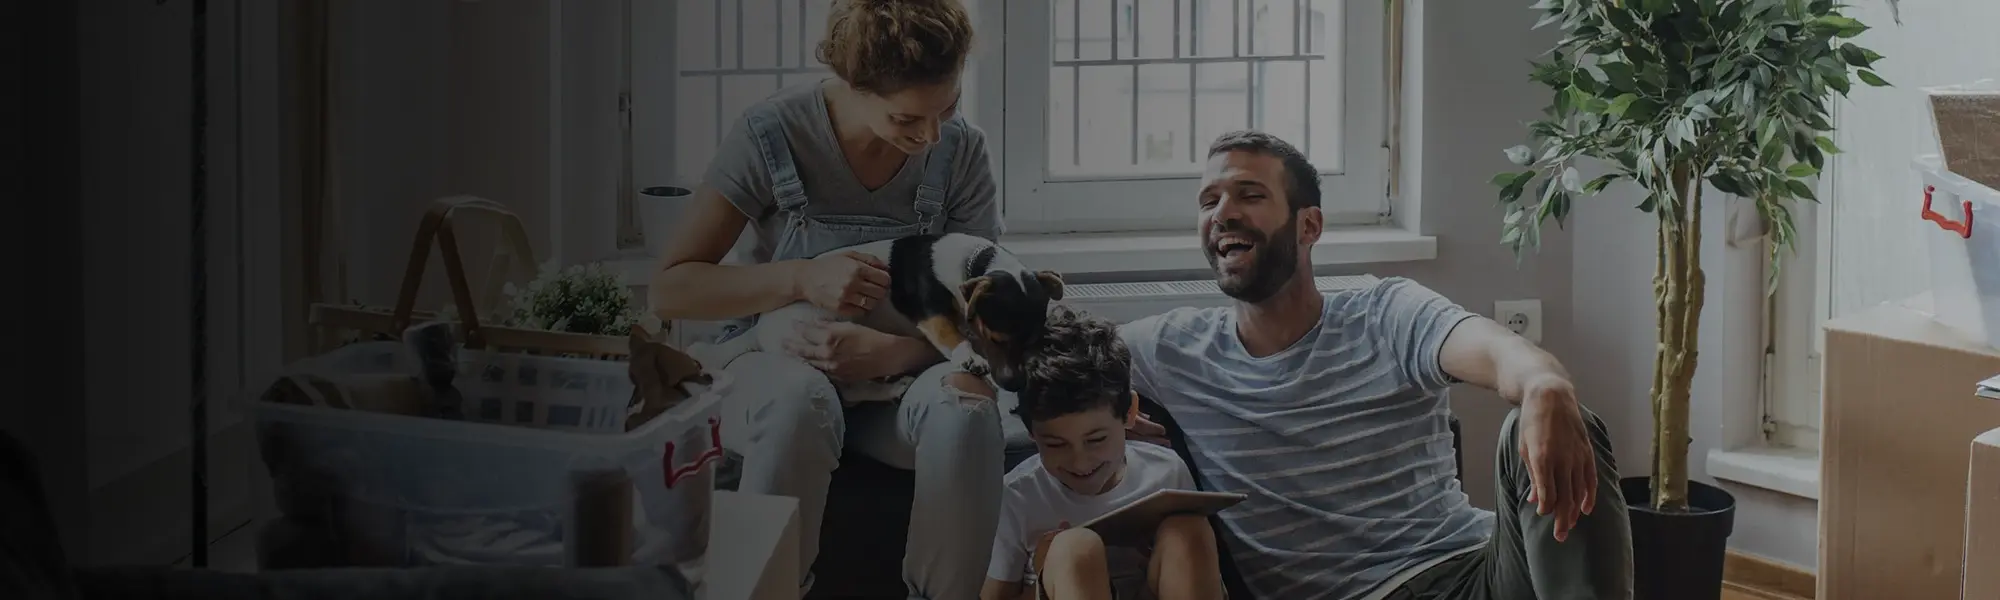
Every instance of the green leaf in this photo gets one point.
(1682, 131)
(1826, 145)
(1520, 155)
(1642, 110)
(1726, 184)
(1837, 26)
(1547, 19)
(1618, 75)
(1621, 104)
(1858, 56)
(1799, 189)
(1769, 132)
(1871, 78)
(1510, 193)
(1598, 184)
(1655, 7)
(1699, 98)
(1801, 170)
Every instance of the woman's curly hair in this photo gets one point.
(886, 46)
(1079, 364)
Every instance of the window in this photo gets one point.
(722, 70)
(684, 90)
(1104, 107)
(1866, 241)
(1110, 104)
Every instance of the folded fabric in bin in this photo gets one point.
(1967, 119)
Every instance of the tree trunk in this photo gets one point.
(1680, 293)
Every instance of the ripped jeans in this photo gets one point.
(791, 431)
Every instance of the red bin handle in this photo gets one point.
(1962, 228)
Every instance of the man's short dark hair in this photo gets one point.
(1301, 177)
(1080, 364)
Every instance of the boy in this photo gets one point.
(1077, 403)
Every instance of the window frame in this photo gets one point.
(1791, 409)
(1356, 193)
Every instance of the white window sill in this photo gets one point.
(1786, 470)
(1142, 252)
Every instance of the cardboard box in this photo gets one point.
(1982, 519)
(1899, 412)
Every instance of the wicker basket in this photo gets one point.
(1967, 118)
(513, 260)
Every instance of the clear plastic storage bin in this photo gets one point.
(411, 491)
(1962, 230)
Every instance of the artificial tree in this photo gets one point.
(1668, 95)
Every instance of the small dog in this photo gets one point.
(974, 301)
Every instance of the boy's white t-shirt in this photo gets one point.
(1034, 502)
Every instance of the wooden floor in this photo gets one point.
(1741, 594)
(236, 553)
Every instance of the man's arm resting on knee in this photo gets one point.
(1483, 353)
(1554, 442)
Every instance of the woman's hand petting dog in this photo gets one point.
(849, 283)
(848, 352)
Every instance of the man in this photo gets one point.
(1329, 411)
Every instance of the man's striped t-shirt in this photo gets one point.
(1342, 441)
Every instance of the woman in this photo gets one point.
(876, 152)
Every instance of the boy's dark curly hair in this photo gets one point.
(1080, 364)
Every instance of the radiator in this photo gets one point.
(1120, 302)
(1126, 302)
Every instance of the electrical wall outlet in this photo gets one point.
(1522, 316)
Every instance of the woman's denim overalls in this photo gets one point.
(808, 236)
(793, 429)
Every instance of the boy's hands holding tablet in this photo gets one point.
(1133, 525)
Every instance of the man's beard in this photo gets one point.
(1277, 260)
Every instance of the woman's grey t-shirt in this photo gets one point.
(740, 174)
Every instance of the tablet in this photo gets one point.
(1133, 525)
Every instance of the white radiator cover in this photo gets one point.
(1119, 302)
(1126, 302)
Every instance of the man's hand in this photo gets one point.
(1140, 427)
(1555, 444)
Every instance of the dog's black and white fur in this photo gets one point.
(974, 301)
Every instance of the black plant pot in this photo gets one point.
(1679, 555)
